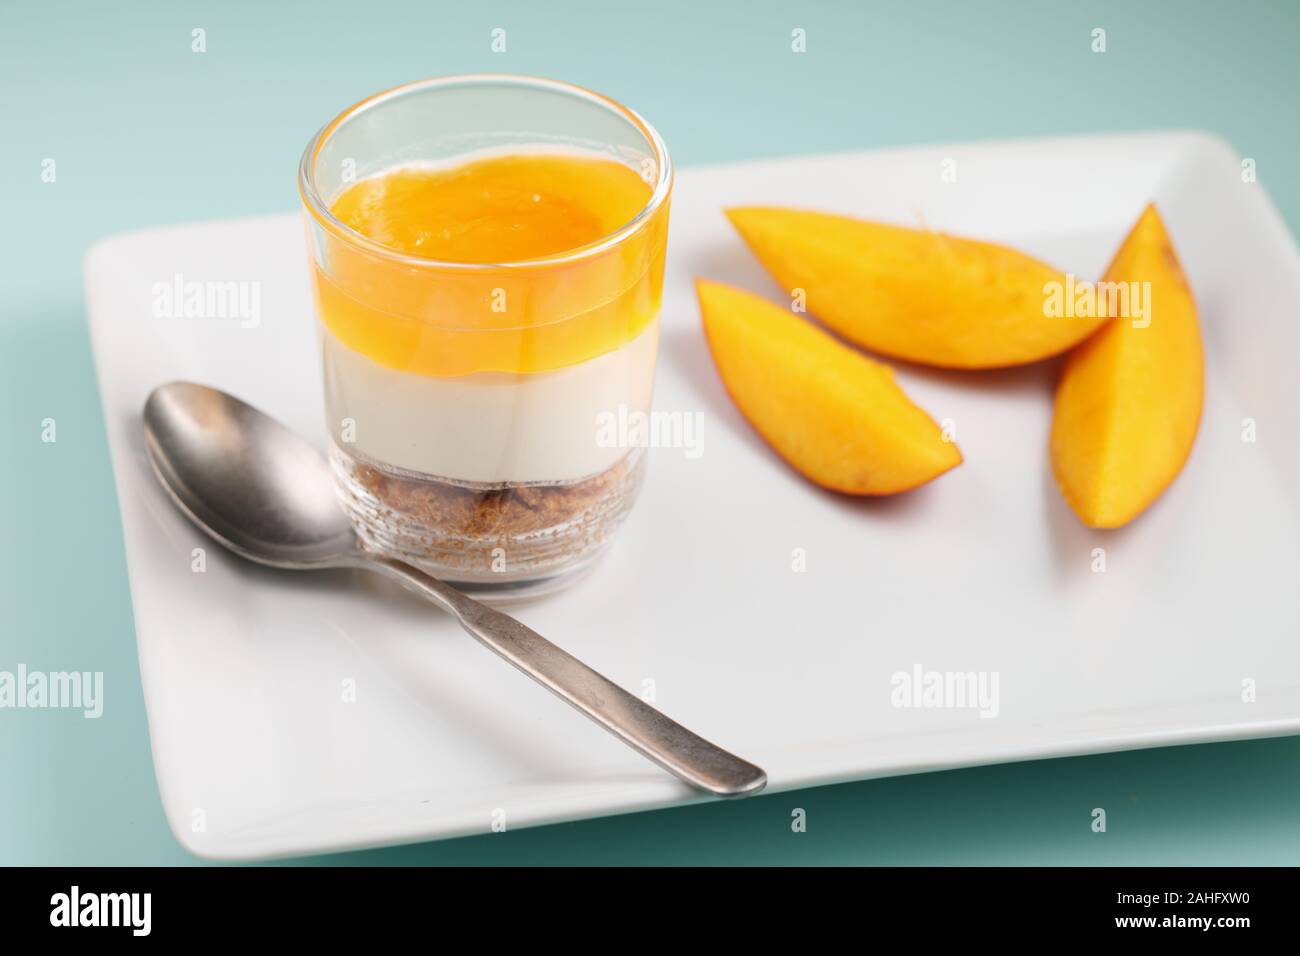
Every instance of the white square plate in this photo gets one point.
(985, 570)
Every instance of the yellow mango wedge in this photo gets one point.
(914, 294)
(1129, 402)
(837, 416)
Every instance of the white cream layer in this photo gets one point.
(489, 426)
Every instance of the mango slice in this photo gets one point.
(835, 415)
(914, 294)
(1129, 402)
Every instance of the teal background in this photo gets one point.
(145, 132)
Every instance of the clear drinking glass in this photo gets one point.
(467, 402)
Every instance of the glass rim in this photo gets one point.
(320, 211)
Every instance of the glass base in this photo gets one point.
(500, 542)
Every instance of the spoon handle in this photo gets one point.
(629, 718)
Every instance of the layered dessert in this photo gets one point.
(497, 309)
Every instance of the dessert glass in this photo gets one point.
(469, 403)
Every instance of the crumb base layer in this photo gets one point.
(501, 541)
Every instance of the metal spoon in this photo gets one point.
(266, 494)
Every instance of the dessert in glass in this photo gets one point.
(487, 258)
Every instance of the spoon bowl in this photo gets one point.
(250, 482)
